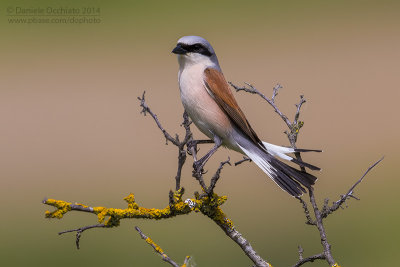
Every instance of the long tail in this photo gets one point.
(281, 151)
(286, 177)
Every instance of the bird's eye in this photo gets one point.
(197, 46)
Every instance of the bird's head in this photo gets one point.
(193, 50)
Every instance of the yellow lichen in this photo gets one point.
(82, 205)
(209, 206)
(186, 260)
(98, 210)
(180, 206)
(131, 201)
(101, 213)
(130, 198)
(62, 208)
(178, 195)
(155, 246)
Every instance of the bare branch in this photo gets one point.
(298, 106)
(181, 145)
(294, 129)
(242, 160)
(199, 177)
(275, 91)
(328, 210)
(146, 110)
(216, 176)
(251, 89)
(156, 248)
(309, 259)
(301, 251)
(181, 150)
(322, 233)
(79, 231)
(246, 247)
(309, 221)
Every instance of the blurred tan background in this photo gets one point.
(71, 128)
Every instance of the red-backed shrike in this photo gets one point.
(210, 104)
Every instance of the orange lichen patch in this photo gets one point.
(336, 265)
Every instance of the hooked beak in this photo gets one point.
(179, 50)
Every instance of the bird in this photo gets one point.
(211, 106)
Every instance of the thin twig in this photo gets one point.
(186, 261)
(156, 248)
(181, 145)
(310, 259)
(294, 126)
(251, 89)
(309, 221)
(79, 231)
(181, 150)
(242, 160)
(294, 129)
(328, 210)
(146, 110)
(275, 91)
(199, 177)
(322, 233)
(216, 176)
(245, 246)
(298, 106)
(301, 251)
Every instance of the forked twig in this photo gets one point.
(79, 232)
(328, 210)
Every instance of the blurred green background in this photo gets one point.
(71, 128)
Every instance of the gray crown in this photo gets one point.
(191, 40)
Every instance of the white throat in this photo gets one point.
(200, 61)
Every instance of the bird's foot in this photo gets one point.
(198, 167)
(191, 147)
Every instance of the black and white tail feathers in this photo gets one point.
(281, 152)
(286, 177)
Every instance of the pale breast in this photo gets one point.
(201, 107)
